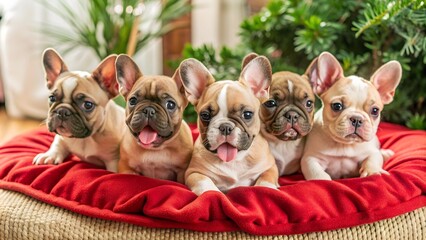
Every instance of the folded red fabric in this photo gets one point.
(299, 206)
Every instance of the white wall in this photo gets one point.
(217, 22)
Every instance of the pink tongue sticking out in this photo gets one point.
(147, 136)
(226, 152)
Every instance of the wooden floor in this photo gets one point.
(10, 127)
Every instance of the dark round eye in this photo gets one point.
(88, 105)
(52, 98)
(337, 107)
(375, 112)
(247, 115)
(271, 103)
(309, 104)
(132, 101)
(205, 116)
(170, 105)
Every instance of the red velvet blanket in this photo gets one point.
(299, 206)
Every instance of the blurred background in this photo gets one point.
(160, 33)
(84, 32)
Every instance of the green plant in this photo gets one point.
(112, 26)
(417, 122)
(107, 26)
(361, 34)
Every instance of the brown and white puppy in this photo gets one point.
(230, 151)
(287, 117)
(157, 143)
(343, 141)
(86, 122)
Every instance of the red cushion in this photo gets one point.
(299, 206)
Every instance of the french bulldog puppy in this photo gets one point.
(230, 150)
(287, 117)
(343, 140)
(157, 142)
(86, 122)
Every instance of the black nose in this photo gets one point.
(63, 113)
(149, 112)
(356, 121)
(225, 129)
(291, 116)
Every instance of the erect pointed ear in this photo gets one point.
(312, 73)
(248, 59)
(53, 66)
(386, 79)
(323, 72)
(195, 79)
(127, 73)
(178, 80)
(105, 75)
(257, 75)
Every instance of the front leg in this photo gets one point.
(199, 183)
(373, 165)
(56, 154)
(312, 169)
(123, 166)
(111, 165)
(123, 163)
(269, 178)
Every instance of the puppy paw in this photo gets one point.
(266, 184)
(204, 186)
(365, 172)
(199, 190)
(386, 153)
(128, 172)
(318, 176)
(48, 158)
(325, 177)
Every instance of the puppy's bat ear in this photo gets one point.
(248, 59)
(323, 72)
(178, 80)
(53, 66)
(105, 75)
(195, 78)
(386, 79)
(312, 73)
(257, 75)
(127, 73)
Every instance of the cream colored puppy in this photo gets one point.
(343, 140)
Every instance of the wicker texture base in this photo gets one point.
(22, 217)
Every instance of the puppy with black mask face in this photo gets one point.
(287, 117)
(230, 150)
(157, 142)
(86, 122)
